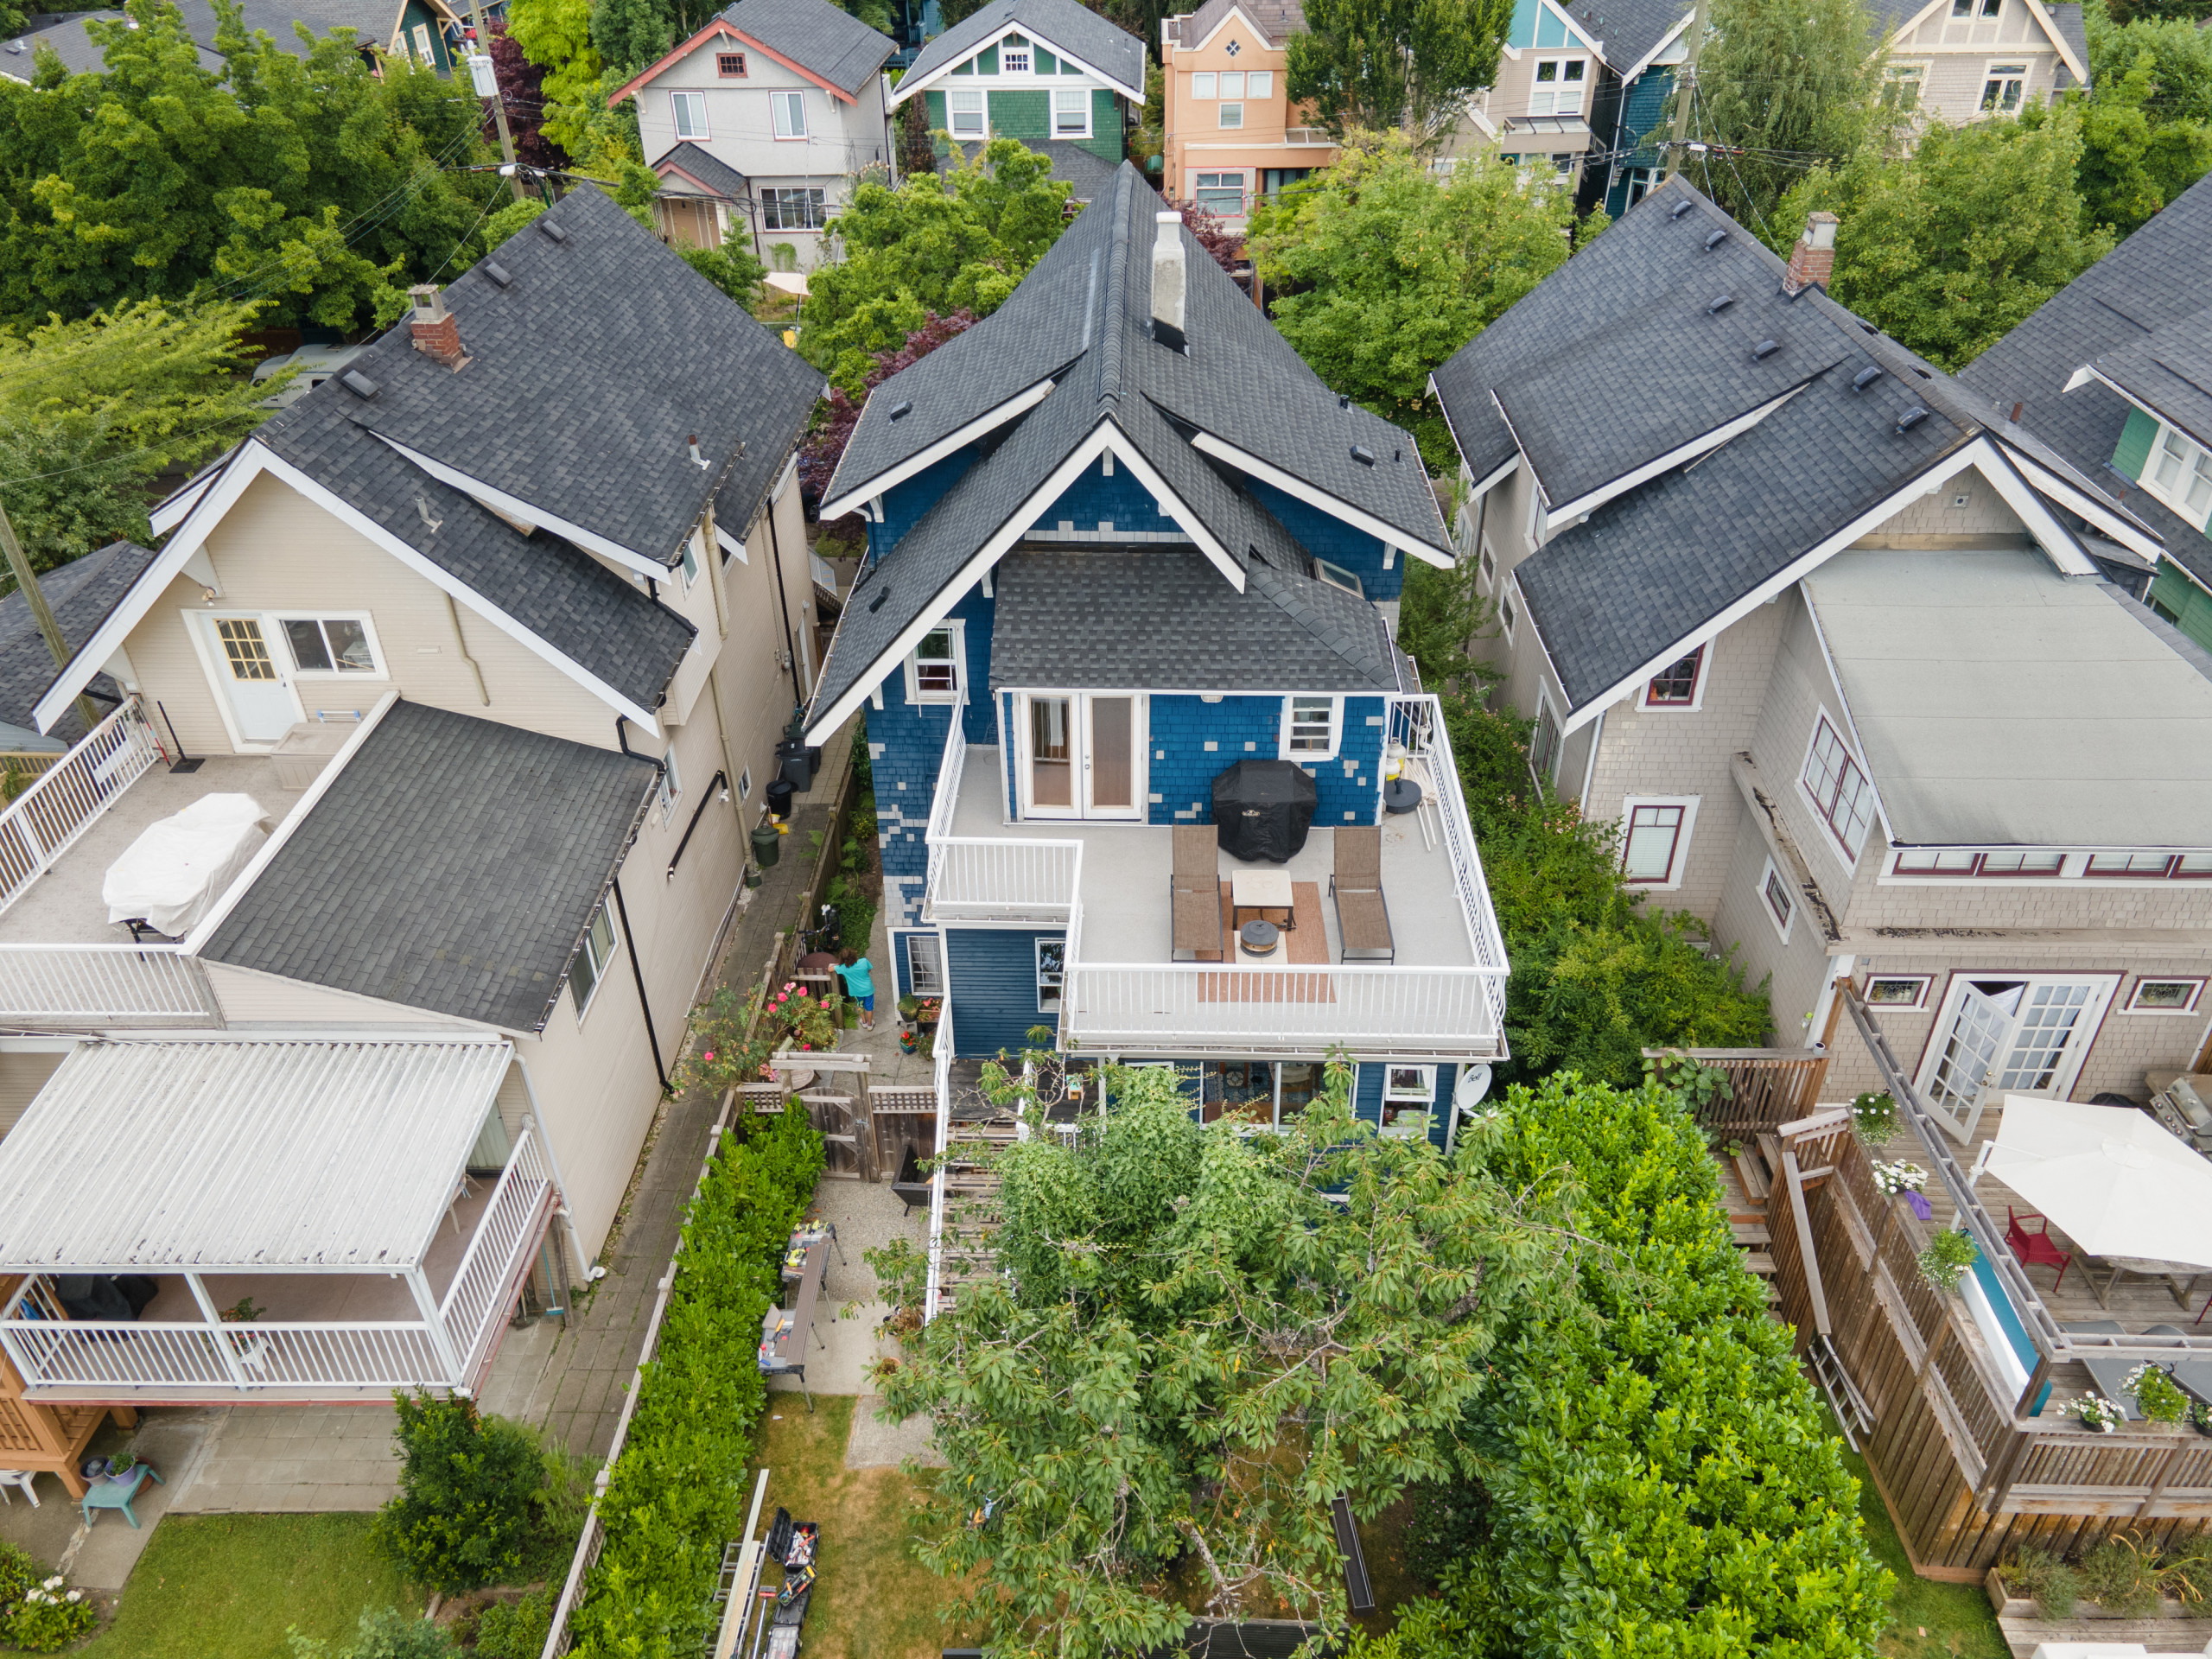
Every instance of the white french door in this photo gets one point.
(2000, 1034)
(1082, 755)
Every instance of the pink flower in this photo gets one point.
(802, 990)
(711, 1057)
(790, 984)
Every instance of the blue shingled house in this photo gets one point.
(1121, 541)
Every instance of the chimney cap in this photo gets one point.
(1819, 230)
(429, 302)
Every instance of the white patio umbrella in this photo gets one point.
(2109, 1178)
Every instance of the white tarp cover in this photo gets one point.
(174, 873)
(2109, 1178)
(223, 1154)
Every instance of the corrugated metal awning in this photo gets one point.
(223, 1155)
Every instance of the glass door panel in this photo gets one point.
(1111, 728)
(1052, 757)
(1966, 1059)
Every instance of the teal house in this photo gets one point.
(1051, 73)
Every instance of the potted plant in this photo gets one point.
(2201, 1417)
(2157, 1396)
(1874, 1117)
(2096, 1412)
(1946, 1259)
(244, 1311)
(1900, 1177)
(122, 1466)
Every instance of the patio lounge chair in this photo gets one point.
(1194, 893)
(2037, 1246)
(1362, 919)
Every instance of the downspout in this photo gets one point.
(460, 640)
(782, 604)
(630, 944)
(1590, 767)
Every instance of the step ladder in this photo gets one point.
(1827, 1367)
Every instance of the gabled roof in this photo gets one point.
(69, 42)
(372, 21)
(715, 177)
(814, 35)
(2170, 373)
(1063, 25)
(1628, 31)
(81, 593)
(1273, 21)
(2142, 286)
(453, 865)
(1080, 323)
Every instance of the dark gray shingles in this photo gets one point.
(1627, 30)
(714, 176)
(75, 47)
(1161, 617)
(2169, 372)
(815, 35)
(453, 865)
(1087, 173)
(1275, 20)
(2143, 285)
(81, 594)
(2066, 20)
(1061, 24)
(608, 323)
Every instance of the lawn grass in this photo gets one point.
(1927, 1620)
(228, 1585)
(872, 1598)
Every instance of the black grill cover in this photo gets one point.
(1262, 809)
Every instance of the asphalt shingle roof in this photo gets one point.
(79, 55)
(2140, 287)
(2169, 372)
(706, 171)
(81, 594)
(1062, 25)
(1082, 317)
(1627, 30)
(817, 36)
(453, 865)
(1275, 20)
(1087, 174)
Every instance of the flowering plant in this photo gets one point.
(2156, 1393)
(2096, 1412)
(736, 1035)
(1900, 1177)
(47, 1616)
(1874, 1119)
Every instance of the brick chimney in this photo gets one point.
(437, 334)
(1813, 259)
(1170, 281)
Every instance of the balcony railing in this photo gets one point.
(489, 1273)
(78, 985)
(41, 823)
(1191, 1008)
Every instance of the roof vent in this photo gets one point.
(1912, 418)
(1681, 207)
(1865, 378)
(901, 409)
(1715, 240)
(547, 227)
(1343, 400)
(1721, 305)
(359, 384)
(500, 276)
(882, 593)
(1363, 454)
(1766, 348)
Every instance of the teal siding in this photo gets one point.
(2182, 602)
(934, 103)
(1105, 124)
(1027, 115)
(2135, 440)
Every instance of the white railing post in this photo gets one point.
(70, 794)
(216, 1334)
(440, 1344)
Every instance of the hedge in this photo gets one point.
(677, 1491)
(1661, 1480)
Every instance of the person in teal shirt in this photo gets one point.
(860, 984)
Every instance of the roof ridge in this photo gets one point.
(1113, 321)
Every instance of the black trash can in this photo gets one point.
(813, 757)
(779, 796)
(791, 761)
(1262, 810)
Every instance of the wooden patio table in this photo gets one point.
(2181, 1277)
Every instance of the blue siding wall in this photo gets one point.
(1367, 1093)
(903, 504)
(1192, 742)
(992, 976)
(1367, 1097)
(1121, 500)
(1351, 784)
(1446, 1076)
(1643, 108)
(1336, 541)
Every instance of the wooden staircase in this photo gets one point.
(966, 1255)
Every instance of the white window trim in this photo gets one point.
(915, 695)
(2093, 1018)
(2196, 999)
(1212, 79)
(1083, 95)
(906, 948)
(381, 671)
(1547, 777)
(1829, 838)
(1783, 926)
(1582, 96)
(676, 119)
(1486, 567)
(1689, 805)
(981, 112)
(1696, 704)
(600, 970)
(2026, 77)
(776, 103)
(2192, 451)
(1423, 1103)
(1313, 757)
(1919, 1000)
(1337, 576)
(672, 785)
(1508, 607)
(1060, 992)
(1221, 115)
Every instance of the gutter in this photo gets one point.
(1783, 846)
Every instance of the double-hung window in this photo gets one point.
(594, 958)
(789, 112)
(966, 110)
(795, 208)
(1311, 727)
(1654, 836)
(1051, 970)
(933, 671)
(330, 644)
(691, 114)
(1838, 789)
(1219, 193)
(1900, 85)
(1558, 85)
(2182, 472)
(2002, 87)
(671, 786)
(1071, 112)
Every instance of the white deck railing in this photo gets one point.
(932, 1293)
(1429, 743)
(508, 1229)
(978, 881)
(1205, 1007)
(95, 984)
(40, 824)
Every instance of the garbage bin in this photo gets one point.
(813, 757)
(767, 845)
(779, 796)
(791, 759)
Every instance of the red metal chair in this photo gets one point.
(2036, 1247)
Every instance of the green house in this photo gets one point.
(1051, 73)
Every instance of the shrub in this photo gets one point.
(2045, 1579)
(467, 1485)
(1947, 1259)
(2119, 1578)
(676, 1493)
(386, 1634)
(42, 1615)
(516, 1630)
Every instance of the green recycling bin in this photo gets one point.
(767, 845)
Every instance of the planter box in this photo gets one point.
(2019, 1610)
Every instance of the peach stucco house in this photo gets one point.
(1230, 138)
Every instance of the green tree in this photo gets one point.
(384, 1634)
(2146, 120)
(1948, 249)
(1204, 1337)
(1394, 63)
(556, 35)
(943, 242)
(630, 35)
(734, 267)
(1383, 269)
(1786, 80)
(92, 410)
(467, 1489)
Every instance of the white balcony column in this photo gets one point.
(440, 1340)
(216, 1333)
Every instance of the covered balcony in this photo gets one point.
(197, 1220)
(1442, 995)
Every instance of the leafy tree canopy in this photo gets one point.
(2146, 121)
(1382, 269)
(941, 242)
(1949, 248)
(1394, 63)
(557, 36)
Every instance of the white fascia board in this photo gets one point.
(908, 85)
(511, 506)
(1657, 47)
(1206, 443)
(730, 544)
(2082, 376)
(783, 478)
(1104, 437)
(1234, 12)
(2056, 541)
(2115, 521)
(446, 581)
(2058, 41)
(1574, 31)
(1499, 475)
(2089, 372)
(1799, 567)
(172, 512)
(1483, 486)
(205, 513)
(846, 499)
(1587, 503)
(196, 940)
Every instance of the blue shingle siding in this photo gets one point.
(992, 977)
(1367, 1092)
(1336, 541)
(905, 504)
(1351, 784)
(981, 718)
(1441, 1121)
(1643, 109)
(906, 743)
(1182, 764)
(1121, 500)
